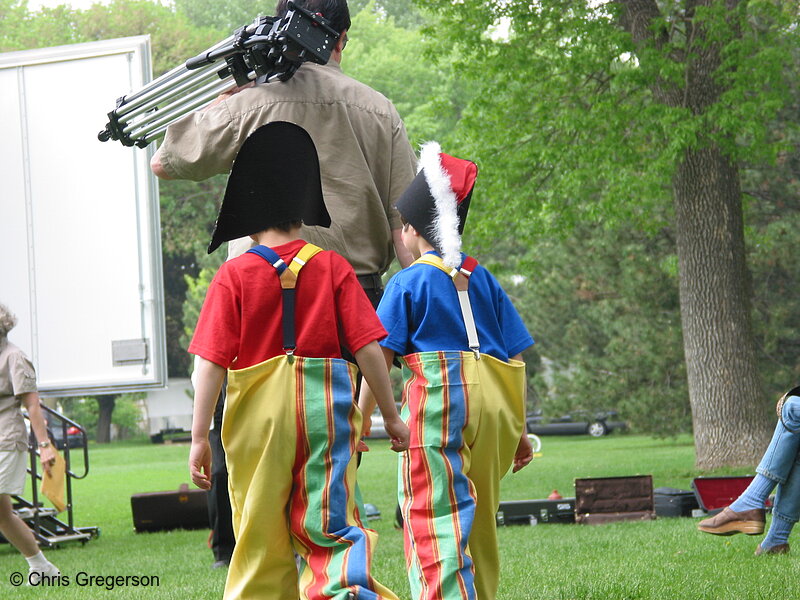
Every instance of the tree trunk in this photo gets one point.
(105, 406)
(731, 424)
(729, 413)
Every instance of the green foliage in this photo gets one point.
(605, 317)
(772, 210)
(578, 130)
(188, 211)
(223, 16)
(387, 57)
(173, 38)
(404, 13)
(196, 288)
(82, 410)
(577, 134)
(12, 14)
(126, 417)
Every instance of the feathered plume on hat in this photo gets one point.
(437, 200)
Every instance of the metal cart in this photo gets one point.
(48, 529)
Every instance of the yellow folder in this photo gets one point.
(53, 484)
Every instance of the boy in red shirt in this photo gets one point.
(276, 319)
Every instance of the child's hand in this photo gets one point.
(524, 454)
(200, 463)
(366, 424)
(398, 432)
(366, 427)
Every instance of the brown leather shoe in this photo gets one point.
(728, 522)
(778, 549)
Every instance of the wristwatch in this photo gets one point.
(45, 444)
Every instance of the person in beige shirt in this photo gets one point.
(366, 162)
(365, 156)
(17, 388)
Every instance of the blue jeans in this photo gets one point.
(780, 463)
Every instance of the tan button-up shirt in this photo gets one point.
(364, 153)
(17, 377)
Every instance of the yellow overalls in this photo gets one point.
(290, 431)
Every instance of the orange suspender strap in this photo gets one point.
(288, 275)
(460, 277)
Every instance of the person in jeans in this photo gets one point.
(778, 468)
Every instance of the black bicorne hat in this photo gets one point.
(275, 179)
(437, 200)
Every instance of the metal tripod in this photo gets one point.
(268, 50)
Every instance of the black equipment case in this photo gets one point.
(608, 499)
(531, 512)
(160, 511)
(673, 502)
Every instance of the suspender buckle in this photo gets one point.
(476, 351)
(288, 278)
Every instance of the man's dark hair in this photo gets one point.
(336, 11)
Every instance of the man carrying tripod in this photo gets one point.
(365, 156)
(366, 162)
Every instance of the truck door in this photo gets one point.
(79, 222)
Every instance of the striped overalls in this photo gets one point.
(290, 431)
(466, 415)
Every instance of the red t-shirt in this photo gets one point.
(240, 323)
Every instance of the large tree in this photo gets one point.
(724, 384)
(599, 112)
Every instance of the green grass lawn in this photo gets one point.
(663, 559)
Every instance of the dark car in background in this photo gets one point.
(578, 422)
(75, 438)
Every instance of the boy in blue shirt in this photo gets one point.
(460, 341)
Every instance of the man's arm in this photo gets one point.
(403, 255)
(186, 129)
(403, 170)
(156, 167)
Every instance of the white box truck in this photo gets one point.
(80, 263)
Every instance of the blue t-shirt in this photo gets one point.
(420, 310)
